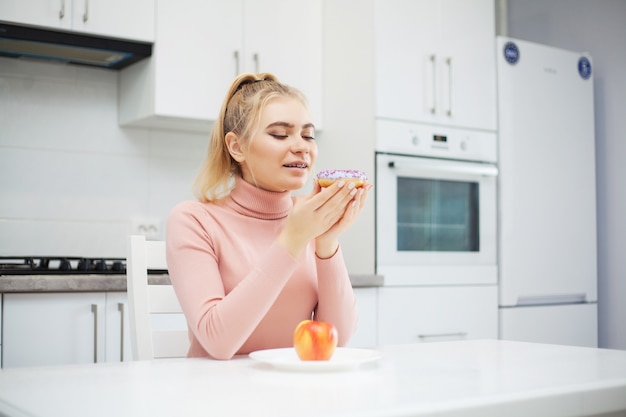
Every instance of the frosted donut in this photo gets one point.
(328, 177)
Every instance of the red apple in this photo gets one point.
(315, 340)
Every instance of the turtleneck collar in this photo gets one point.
(251, 201)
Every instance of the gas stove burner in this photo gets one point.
(60, 265)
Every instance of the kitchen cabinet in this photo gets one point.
(112, 18)
(201, 46)
(64, 328)
(429, 314)
(435, 62)
(367, 305)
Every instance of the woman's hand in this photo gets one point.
(327, 243)
(328, 210)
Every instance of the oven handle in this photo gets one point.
(448, 167)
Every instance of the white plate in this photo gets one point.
(342, 359)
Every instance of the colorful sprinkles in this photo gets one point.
(335, 174)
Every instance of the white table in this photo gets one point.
(467, 378)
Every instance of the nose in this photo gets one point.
(301, 145)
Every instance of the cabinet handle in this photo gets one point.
(86, 14)
(94, 310)
(255, 58)
(62, 10)
(449, 63)
(120, 307)
(236, 56)
(433, 62)
(457, 335)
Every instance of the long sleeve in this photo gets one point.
(337, 302)
(221, 322)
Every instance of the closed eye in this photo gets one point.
(278, 136)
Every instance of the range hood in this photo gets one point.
(29, 42)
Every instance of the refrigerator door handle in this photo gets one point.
(533, 300)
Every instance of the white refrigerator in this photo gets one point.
(547, 195)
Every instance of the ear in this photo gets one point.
(234, 147)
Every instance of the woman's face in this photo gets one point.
(282, 150)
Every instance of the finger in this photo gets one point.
(331, 197)
(318, 196)
(363, 197)
(364, 193)
(340, 208)
(316, 186)
(341, 202)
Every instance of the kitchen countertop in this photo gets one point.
(487, 378)
(106, 283)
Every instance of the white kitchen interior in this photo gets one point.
(74, 182)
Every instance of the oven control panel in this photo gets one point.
(435, 141)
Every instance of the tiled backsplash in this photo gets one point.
(71, 179)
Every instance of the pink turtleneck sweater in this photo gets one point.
(241, 291)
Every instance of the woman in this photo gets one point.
(248, 261)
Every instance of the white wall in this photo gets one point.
(597, 27)
(71, 179)
(349, 113)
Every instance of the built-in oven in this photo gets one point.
(436, 205)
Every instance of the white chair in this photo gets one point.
(153, 308)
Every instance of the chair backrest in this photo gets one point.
(157, 325)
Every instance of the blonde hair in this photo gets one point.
(240, 113)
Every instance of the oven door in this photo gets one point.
(435, 221)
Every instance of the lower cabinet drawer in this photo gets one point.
(430, 314)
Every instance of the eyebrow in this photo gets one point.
(289, 125)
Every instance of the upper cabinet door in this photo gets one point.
(284, 37)
(197, 54)
(435, 62)
(468, 42)
(115, 18)
(57, 14)
(202, 45)
(405, 45)
(112, 18)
